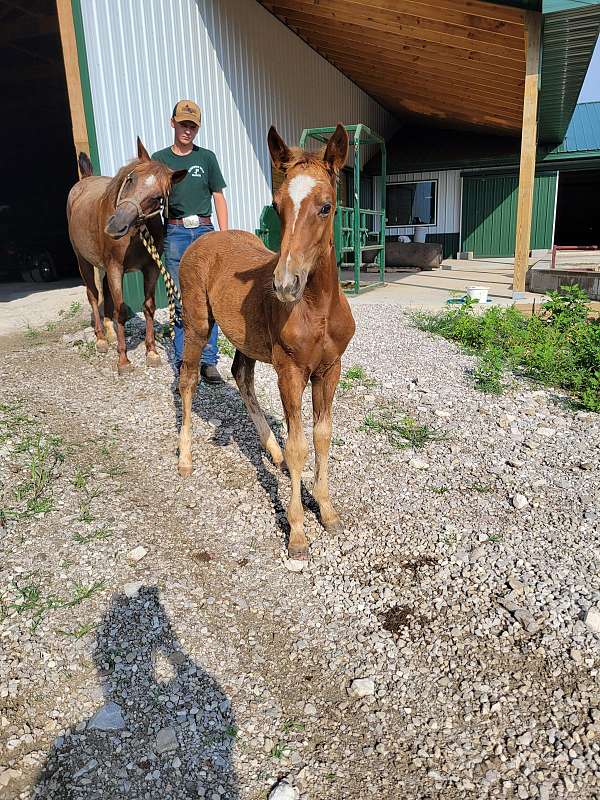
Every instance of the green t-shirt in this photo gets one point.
(193, 195)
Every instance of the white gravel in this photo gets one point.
(472, 617)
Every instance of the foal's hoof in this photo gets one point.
(125, 369)
(152, 359)
(101, 346)
(185, 470)
(298, 551)
(334, 527)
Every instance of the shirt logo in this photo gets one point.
(196, 171)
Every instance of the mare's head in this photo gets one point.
(138, 191)
(305, 203)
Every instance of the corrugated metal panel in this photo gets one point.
(584, 130)
(568, 42)
(490, 213)
(244, 68)
(448, 201)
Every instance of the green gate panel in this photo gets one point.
(489, 214)
(133, 291)
(269, 229)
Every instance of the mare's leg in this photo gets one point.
(243, 372)
(195, 339)
(115, 284)
(323, 389)
(87, 273)
(109, 310)
(292, 382)
(150, 277)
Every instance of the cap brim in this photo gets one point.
(186, 118)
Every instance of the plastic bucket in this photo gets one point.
(479, 293)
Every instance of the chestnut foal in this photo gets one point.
(285, 309)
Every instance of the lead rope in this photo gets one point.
(172, 290)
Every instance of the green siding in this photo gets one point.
(449, 242)
(489, 214)
(133, 291)
(86, 89)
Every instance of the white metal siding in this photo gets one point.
(448, 200)
(245, 69)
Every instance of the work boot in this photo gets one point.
(210, 374)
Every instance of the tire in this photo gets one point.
(44, 269)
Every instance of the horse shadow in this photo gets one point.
(225, 403)
(166, 728)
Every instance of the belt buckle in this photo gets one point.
(193, 221)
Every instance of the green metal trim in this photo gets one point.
(568, 42)
(86, 89)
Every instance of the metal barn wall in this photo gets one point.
(489, 214)
(245, 69)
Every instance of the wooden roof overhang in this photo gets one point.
(458, 62)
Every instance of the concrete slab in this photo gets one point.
(24, 305)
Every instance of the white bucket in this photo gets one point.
(479, 293)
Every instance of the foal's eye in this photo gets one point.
(325, 209)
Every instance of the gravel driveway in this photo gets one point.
(154, 642)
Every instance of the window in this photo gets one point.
(411, 204)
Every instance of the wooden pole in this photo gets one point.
(533, 25)
(71, 59)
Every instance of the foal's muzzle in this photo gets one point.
(119, 223)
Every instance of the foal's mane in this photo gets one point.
(142, 169)
(308, 159)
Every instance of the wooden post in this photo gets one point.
(71, 59)
(533, 25)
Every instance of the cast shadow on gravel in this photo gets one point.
(166, 728)
(225, 403)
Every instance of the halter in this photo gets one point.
(141, 217)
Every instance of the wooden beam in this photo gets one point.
(71, 59)
(533, 25)
(344, 21)
(396, 17)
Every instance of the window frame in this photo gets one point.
(433, 224)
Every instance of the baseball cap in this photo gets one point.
(187, 111)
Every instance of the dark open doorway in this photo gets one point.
(36, 144)
(577, 218)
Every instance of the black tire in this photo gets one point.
(44, 269)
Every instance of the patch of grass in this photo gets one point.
(331, 776)
(32, 335)
(232, 731)
(400, 430)
(355, 376)
(80, 479)
(85, 515)
(481, 488)
(73, 309)
(31, 599)
(80, 632)
(440, 489)
(277, 750)
(225, 346)
(337, 441)
(291, 725)
(98, 535)
(51, 326)
(116, 471)
(559, 347)
(494, 537)
(43, 455)
(86, 349)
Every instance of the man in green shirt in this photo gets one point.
(189, 212)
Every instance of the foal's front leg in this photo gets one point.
(150, 278)
(115, 284)
(292, 382)
(323, 390)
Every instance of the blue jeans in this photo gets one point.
(177, 241)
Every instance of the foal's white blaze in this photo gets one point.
(299, 188)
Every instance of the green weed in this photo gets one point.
(225, 346)
(277, 750)
(98, 535)
(86, 349)
(80, 632)
(74, 309)
(560, 347)
(401, 431)
(439, 489)
(355, 376)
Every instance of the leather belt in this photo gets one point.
(201, 220)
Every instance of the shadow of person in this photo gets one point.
(166, 728)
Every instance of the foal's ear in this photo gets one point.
(178, 175)
(280, 152)
(142, 152)
(337, 149)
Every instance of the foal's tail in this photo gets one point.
(85, 165)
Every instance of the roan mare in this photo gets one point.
(104, 215)
(285, 309)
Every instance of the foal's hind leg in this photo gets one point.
(115, 284)
(87, 273)
(243, 372)
(323, 389)
(188, 381)
(109, 311)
